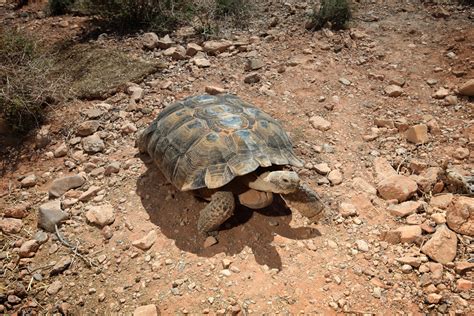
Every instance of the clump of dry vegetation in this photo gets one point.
(332, 13)
(27, 86)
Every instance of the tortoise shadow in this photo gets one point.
(176, 214)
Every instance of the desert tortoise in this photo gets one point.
(222, 147)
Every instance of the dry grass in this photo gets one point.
(27, 86)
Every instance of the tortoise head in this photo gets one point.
(282, 182)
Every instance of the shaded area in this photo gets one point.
(176, 214)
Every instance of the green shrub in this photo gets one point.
(332, 13)
(58, 7)
(26, 88)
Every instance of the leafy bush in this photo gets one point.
(26, 88)
(332, 13)
(58, 7)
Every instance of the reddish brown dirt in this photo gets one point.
(280, 264)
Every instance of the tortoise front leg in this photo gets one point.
(306, 201)
(216, 212)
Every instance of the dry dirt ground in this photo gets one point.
(270, 261)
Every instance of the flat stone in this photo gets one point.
(177, 53)
(201, 62)
(146, 242)
(362, 245)
(335, 177)
(146, 310)
(17, 211)
(150, 40)
(345, 81)
(210, 241)
(62, 185)
(51, 214)
(101, 215)
(41, 237)
(89, 193)
(28, 248)
(214, 47)
(252, 78)
(438, 218)
(417, 134)
(29, 181)
(441, 201)
(61, 265)
(397, 187)
(322, 168)
(460, 217)
(320, 123)
(93, 144)
(462, 267)
(441, 93)
(254, 64)
(165, 42)
(192, 49)
(113, 167)
(406, 208)
(347, 210)
(393, 90)
(434, 298)
(464, 285)
(381, 122)
(409, 233)
(136, 92)
(54, 288)
(442, 245)
(412, 261)
(214, 90)
(467, 88)
(60, 151)
(87, 128)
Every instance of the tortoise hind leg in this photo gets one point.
(216, 212)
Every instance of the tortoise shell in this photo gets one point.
(206, 141)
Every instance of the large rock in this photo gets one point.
(442, 246)
(397, 187)
(62, 185)
(101, 215)
(467, 88)
(93, 144)
(51, 214)
(460, 216)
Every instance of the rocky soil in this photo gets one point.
(378, 112)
